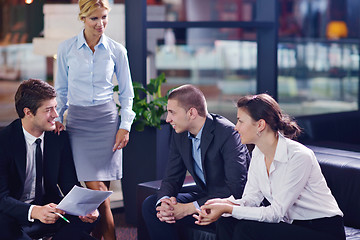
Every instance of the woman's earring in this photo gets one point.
(258, 134)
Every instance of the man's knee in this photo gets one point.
(149, 208)
(77, 229)
(10, 229)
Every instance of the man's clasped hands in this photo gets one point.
(170, 210)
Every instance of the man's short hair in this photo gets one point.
(30, 94)
(188, 97)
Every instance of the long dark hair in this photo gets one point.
(263, 106)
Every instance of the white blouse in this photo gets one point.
(295, 187)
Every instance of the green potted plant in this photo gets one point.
(149, 109)
(145, 156)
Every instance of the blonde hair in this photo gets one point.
(87, 7)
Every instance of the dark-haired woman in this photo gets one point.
(283, 172)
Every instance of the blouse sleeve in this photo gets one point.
(126, 92)
(294, 181)
(61, 82)
(252, 195)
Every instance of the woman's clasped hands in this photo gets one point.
(212, 210)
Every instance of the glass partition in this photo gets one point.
(223, 69)
(205, 10)
(17, 63)
(317, 76)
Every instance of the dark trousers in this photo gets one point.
(75, 230)
(318, 229)
(164, 231)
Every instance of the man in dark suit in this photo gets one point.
(36, 168)
(207, 146)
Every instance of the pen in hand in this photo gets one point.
(64, 218)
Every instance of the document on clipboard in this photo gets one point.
(82, 201)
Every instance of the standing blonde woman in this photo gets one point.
(86, 65)
(284, 172)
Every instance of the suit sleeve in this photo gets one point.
(235, 159)
(175, 172)
(9, 205)
(68, 177)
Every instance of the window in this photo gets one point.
(216, 45)
(223, 69)
(318, 56)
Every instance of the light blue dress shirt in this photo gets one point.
(84, 78)
(196, 153)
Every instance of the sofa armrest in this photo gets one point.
(341, 170)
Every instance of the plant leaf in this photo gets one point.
(148, 113)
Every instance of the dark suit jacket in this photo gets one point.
(59, 170)
(224, 158)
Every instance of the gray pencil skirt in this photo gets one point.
(92, 131)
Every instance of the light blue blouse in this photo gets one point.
(84, 78)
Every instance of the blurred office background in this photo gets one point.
(317, 48)
(303, 52)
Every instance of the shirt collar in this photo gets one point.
(30, 139)
(280, 152)
(198, 136)
(104, 41)
(81, 40)
(281, 149)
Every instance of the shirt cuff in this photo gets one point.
(125, 125)
(236, 212)
(29, 213)
(226, 215)
(159, 201)
(59, 119)
(239, 202)
(196, 204)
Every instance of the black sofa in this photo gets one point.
(332, 130)
(342, 173)
(341, 170)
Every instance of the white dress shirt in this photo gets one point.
(84, 78)
(30, 174)
(295, 187)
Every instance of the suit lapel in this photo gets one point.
(206, 139)
(47, 146)
(50, 165)
(188, 154)
(19, 148)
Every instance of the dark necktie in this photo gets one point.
(39, 173)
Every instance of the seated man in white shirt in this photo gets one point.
(36, 168)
